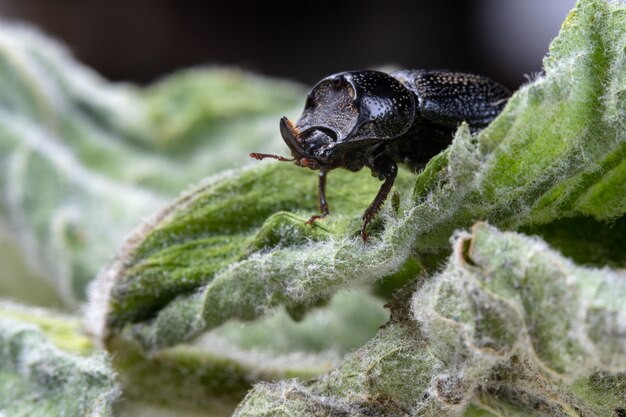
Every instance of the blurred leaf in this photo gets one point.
(18, 281)
(191, 105)
(64, 331)
(37, 378)
(586, 240)
(510, 326)
(236, 246)
(214, 373)
(83, 160)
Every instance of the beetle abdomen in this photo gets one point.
(449, 98)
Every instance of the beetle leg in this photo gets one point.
(322, 198)
(387, 169)
(322, 193)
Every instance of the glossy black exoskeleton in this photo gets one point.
(374, 119)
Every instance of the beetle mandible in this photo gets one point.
(370, 118)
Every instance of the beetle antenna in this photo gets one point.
(260, 156)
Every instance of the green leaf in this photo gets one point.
(82, 160)
(214, 373)
(509, 322)
(510, 327)
(236, 246)
(37, 378)
(17, 281)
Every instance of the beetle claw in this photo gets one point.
(314, 218)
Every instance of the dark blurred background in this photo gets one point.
(141, 40)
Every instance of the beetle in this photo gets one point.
(374, 119)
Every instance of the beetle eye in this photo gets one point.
(338, 82)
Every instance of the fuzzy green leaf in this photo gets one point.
(82, 161)
(37, 378)
(214, 373)
(510, 327)
(71, 189)
(236, 246)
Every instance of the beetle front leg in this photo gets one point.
(387, 170)
(321, 189)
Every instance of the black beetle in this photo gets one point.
(370, 118)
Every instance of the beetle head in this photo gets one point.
(341, 112)
(351, 107)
